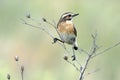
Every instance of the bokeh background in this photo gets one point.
(43, 60)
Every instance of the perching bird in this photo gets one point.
(67, 30)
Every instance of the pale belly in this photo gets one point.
(67, 38)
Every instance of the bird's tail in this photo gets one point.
(75, 45)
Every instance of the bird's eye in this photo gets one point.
(69, 15)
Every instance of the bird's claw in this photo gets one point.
(55, 40)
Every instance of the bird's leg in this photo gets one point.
(56, 39)
(73, 56)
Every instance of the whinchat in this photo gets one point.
(66, 30)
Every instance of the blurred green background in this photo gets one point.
(43, 60)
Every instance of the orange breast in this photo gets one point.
(66, 27)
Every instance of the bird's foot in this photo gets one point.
(56, 39)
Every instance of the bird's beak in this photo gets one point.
(75, 15)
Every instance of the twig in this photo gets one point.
(49, 22)
(38, 28)
(82, 50)
(89, 73)
(88, 58)
(53, 25)
(22, 70)
(73, 64)
(84, 68)
(107, 49)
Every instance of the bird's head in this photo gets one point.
(68, 16)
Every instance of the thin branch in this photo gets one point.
(28, 16)
(53, 25)
(74, 66)
(107, 49)
(49, 22)
(82, 50)
(22, 70)
(84, 68)
(37, 27)
(94, 46)
(89, 73)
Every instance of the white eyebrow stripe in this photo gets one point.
(65, 15)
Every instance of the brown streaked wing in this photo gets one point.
(75, 31)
